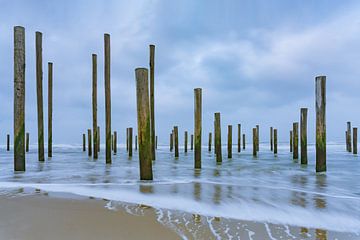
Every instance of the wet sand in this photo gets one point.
(38, 217)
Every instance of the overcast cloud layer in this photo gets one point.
(256, 62)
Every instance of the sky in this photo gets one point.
(255, 60)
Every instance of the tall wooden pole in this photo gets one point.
(210, 137)
(50, 107)
(130, 142)
(239, 138)
(271, 139)
(8, 142)
(39, 91)
(257, 137)
(27, 142)
(176, 141)
(198, 125)
(185, 141)
(354, 140)
(107, 98)
(89, 142)
(254, 142)
(291, 141)
(143, 120)
(244, 143)
(303, 135)
(115, 142)
(320, 93)
(217, 132)
(19, 98)
(152, 105)
(84, 142)
(229, 145)
(94, 104)
(275, 141)
(296, 140)
(349, 136)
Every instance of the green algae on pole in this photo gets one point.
(296, 140)
(176, 141)
(229, 143)
(210, 137)
(239, 138)
(198, 126)
(254, 142)
(89, 142)
(303, 135)
(275, 141)
(349, 136)
(354, 141)
(8, 142)
(152, 105)
(19, 99)
(50, 107)
(271, 139)
(291, 141)
(217, 133)
(84, 142)
(143, 123)
(320, 103)
(27, 142)
(185, 141)
(130, 142)
(107, 98)
(192, 142)
(94, 104)
(115, 142)
(39, 94)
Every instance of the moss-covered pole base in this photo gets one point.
(27, 142)
(143, 123)
(176, 141)
(107, 98)
(296, 140)
(130, 142)
(229, 143)
(198, 126)
(239, 138)
(354, 140)
(320, 103)
(217, 132)
(89, 143)
(19, 99)
(185, 141)
(275, 141)
(303, 135)
(39, 94)
(254, 142)
(210, 138)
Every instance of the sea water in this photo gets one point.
(276, 191)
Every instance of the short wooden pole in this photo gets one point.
(291, 141)
(239, 138)
(296, 140)
(89, 142)
(303, 135)
(346, 141)
(349, 136)
(27, 141)
(185, 141)
(271, 139)
(254, 142)
(171, 141)
(243, 140)
(275, 141)
(84, 142)
(354, 140)
(107, 98)
(143, 120)
(320, 93)
(257, 137)
(127, 139)
(210, 138)
(191, 142)
(19, 99)
(50, 107)
(115, 142)
(217, 132)
(94, 104)
(198, 126)
(176, 141)
(229, 143)
(136, 142)
(152, 111)
(39, 94)
(8, 142)
(98, 141)
(130, 142)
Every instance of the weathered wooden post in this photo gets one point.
(136, 142)
(244, 143)
(239, 138)
(291, 141)
(217, 132)
(8, 142)
(229, 145)
(296, 140)
(127, 139)
(320, 93)
(349, 136)
(94, 104)
(191, 142)
(84, 142)
(257, 137)
(107, 98)
(271, 139)
(355, 140)
(171, 141)
(19, 99)
(185, 141)
(152, 105)
(254, 142)
(143, 120)
(89, 142)
(210, 137)
(130, 142)
(50, 107)
(176, 141)
(98, 139)
(115, 142)
(27, 142)
(39, 93)
(303, 135)
(275, 141)
(198, 125)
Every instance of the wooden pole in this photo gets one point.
(130, 142)
(198, 126)
(19, 99)
(320, 93)
(191, 142)
(217, 132)
(115, 142)
(244, 143)
(107, 98)
(239, 138)
(210, 137)
(275, 141)
(346, 141)
(354, 140)
(257, 137)
(127, 139)
(296, 140)
(94, 104)
(303, 135)
(143, 120)
(89, 142)
(291, 141)
(8, 142)
(271, 139)
(171, 141)
(176, 141)
(185, 141)
(50, 107)
(136, 142)
(229, 145)
(152, 105)
(98, 140)
(254, 142)
(349, 135)
(84, 142)
(39, 91)
(27, 142)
